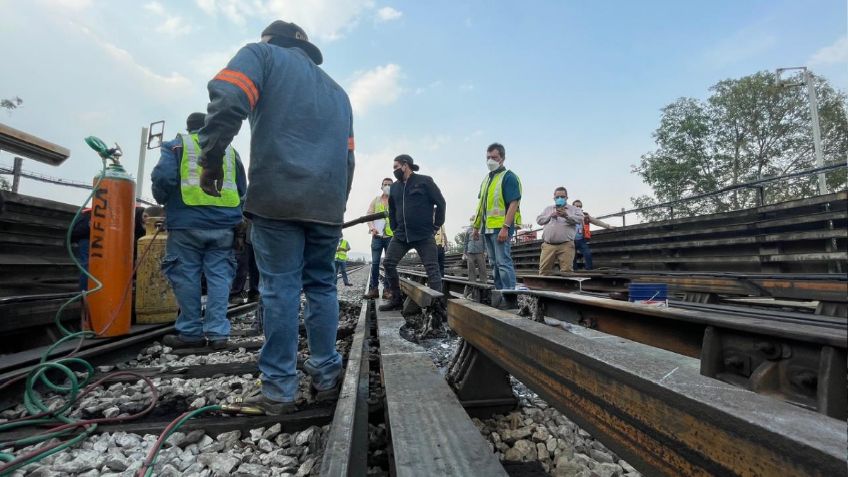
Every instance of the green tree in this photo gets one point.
(748, 128)
(11, 104)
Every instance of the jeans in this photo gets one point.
(295, 256)
(341, 267)
(426, 249)
(378, 245)
(246, 273)
(582, 246)
(500, 255)
(188, 254)
(441, 258)
(82, 256)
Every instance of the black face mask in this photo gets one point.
(398, 174)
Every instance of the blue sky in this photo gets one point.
(572, 89)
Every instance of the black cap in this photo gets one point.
(195, 121)
(289, 35)
(407, 159)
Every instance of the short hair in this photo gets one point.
(497, 147)
(387, 179)
(561, 188)
(577, 200)
(155, 211)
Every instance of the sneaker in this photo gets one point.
(329, 394)
(348, 284)
(218, 344)
(372, 293)
(175, 341)
(268, 405)
(391, 305)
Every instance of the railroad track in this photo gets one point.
(651, 406)
(211, 372)
(793, 356)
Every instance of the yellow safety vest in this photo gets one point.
(491, 191)
(190, 171)
(379, 207)
(341, 251)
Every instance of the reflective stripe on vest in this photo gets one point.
(491, 190)
(379, 207)
(341, 254)
(190, 189)
(587, 234)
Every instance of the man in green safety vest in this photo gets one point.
(381, 236)
(497, 217)
(201, 230)
(341, 261)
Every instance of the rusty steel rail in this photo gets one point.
(346, 452)
(651, 406)
(800, 362)
(828, 288)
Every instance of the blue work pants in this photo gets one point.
(378, 246)
(188, 254)
(500, 254)
(295, 256)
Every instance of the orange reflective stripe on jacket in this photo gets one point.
(243, 82)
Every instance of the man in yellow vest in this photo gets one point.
(341, 260)
(497, 217)
(201, 230)
(381, 236)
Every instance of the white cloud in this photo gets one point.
(155, 7)
(424, 89)
(377, 87)
(170, 25)
(69, 4)
(467, 86)
(387, 14)
(323, 19)
(836, 53)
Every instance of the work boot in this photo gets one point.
(218, 344)
(269, 406)
(176, 341)
(238, 298)
(387, 294)
(372, 293)
(330, 394)
(392, 304)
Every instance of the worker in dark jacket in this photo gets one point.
(301, 169)
(416, 213)
(201, 230)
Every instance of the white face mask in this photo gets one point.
(492, 164)
(386, 189)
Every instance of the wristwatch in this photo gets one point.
(505, 226)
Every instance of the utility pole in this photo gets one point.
(814, 118)
(142, 154)
(16, 174)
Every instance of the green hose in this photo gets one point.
(32, 399)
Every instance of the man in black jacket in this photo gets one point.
(416, 211)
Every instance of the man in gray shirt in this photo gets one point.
(559, 221)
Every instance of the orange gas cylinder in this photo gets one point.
(111, 253)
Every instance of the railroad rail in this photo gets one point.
(651, 406)
(792, 356)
